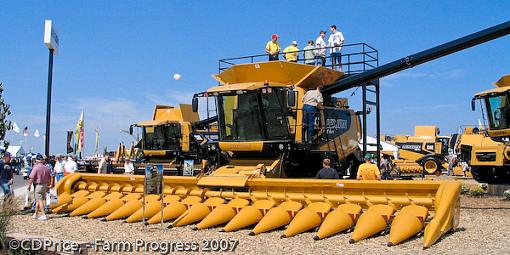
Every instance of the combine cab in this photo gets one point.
(488, 151)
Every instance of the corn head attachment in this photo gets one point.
(406, 208)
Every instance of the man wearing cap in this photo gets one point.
(291, 52)
(312, 102)
(6, 175)
(368, 170)
(40, 177)
(273, 48)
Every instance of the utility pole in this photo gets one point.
(52, 42)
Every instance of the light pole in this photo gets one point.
(51, 41)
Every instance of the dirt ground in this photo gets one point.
(483, 229)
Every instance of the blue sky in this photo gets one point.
(117, 58)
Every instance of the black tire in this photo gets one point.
(430, 166)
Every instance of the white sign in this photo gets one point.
(50, 36)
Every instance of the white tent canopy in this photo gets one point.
(15, 151)
(372, 147)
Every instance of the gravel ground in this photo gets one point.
(482, 230)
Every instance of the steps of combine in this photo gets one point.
(328, 207)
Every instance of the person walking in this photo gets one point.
(129, 168)
(320, 48)
(103, 164)
(312, 102)
(368, 170)
(327, 172)
(273, 48)
(308, 54)
(70, 166)
(336, 41)
(385, 167)
(291, 52)
(6, 174)
(59, 168)
(40, 178)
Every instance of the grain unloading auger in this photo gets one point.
(245, 194)
(265, 204)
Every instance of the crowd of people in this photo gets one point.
(366, 171)
(314, 53)
(43, 173)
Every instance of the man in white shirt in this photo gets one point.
(320, 48)
(70, 166)
(336, 40)
(59, 168)
(312, 101)
(129, 168)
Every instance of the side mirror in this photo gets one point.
(131, 129)
(473, 104)
(291, 98)
(194, 104)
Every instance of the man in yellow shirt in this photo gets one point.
(368, 170)
(291, 52)
(273, 48)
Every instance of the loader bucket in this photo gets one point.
(267, 204)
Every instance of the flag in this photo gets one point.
(36, 134)
(25, 131)
(79, 133)
(15, 127)
(69, 141)
(96, 150)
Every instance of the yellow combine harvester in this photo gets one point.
(488, 151)
(176, 134)
(261, 122)
(245, 194)
(423, 153)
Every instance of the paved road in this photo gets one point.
(19, 182)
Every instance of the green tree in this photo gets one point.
(5, 125)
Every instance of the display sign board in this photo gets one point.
(187, 170)
(153, 184)
(51, 39)
(153, 179)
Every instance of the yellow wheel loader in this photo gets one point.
(488, 150)
(260, 123)
(423, 153)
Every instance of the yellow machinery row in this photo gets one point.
(260, 123)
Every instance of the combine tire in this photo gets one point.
(430, 166)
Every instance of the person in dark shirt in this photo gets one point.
(6, 179)
(327, 172)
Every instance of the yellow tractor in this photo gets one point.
(260, 123)
(423, 153)
(488, 150)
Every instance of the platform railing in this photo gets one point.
(355, 58)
